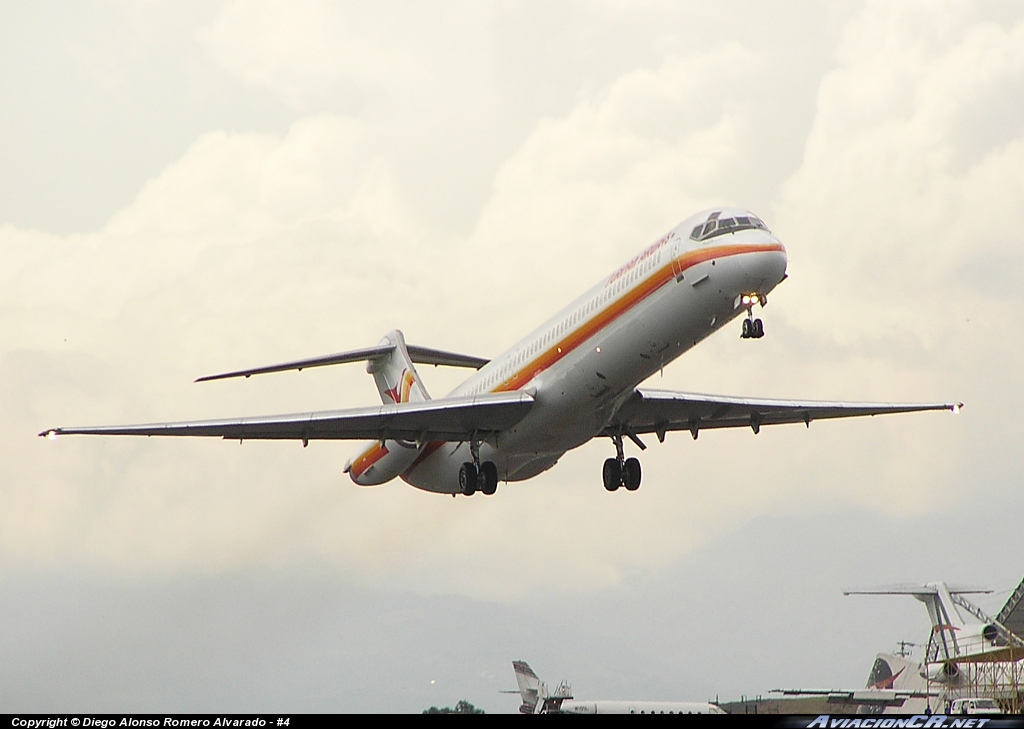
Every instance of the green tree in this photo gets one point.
(463, 707)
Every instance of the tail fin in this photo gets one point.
(530, 687)
(395, 374)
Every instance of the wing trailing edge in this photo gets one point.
(659, 411)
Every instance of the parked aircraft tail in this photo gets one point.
(529, 686)
(959, 627)
(536, 697)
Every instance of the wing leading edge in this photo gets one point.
(659, 411)
(448, 419)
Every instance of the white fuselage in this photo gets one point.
(638, 707)
(582, 363)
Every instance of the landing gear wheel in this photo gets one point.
(631, 474)
(488, 478)
(468, 478)
(752, 329)
(612, 474)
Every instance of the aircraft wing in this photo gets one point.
(860, 697)
(448, 419)
(658, 411)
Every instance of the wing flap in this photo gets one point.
(446, 419)
(658, 411)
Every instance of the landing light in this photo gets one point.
(51, 434)
(956, 408)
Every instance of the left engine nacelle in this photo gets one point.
(378, 463)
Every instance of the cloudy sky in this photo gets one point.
(187, 188)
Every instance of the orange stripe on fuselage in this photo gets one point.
(617, 308)
(608, 315)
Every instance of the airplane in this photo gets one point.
(961, 633)
(574, 378)
(960, 630)
(538, 700)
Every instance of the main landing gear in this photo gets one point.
(621, 471)
(475, 476)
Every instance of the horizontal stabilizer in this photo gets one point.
(427, 355)
(420, 355)
(918, 590)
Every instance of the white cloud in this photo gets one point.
(375, 52)
(898, 227)
(589, 188)
(255, 248)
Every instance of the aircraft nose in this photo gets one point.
(781, 262)
(775, 265)
(766, 268)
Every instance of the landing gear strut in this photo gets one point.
(474, 475)
(620, 471)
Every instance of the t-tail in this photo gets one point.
(959, 628)
(536, 698)
(391, 364)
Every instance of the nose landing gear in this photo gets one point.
(752, 328)
(621, 471)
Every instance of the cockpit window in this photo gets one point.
(715, 226)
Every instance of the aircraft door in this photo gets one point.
(675, 249)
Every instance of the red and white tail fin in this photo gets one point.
(395, 374)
